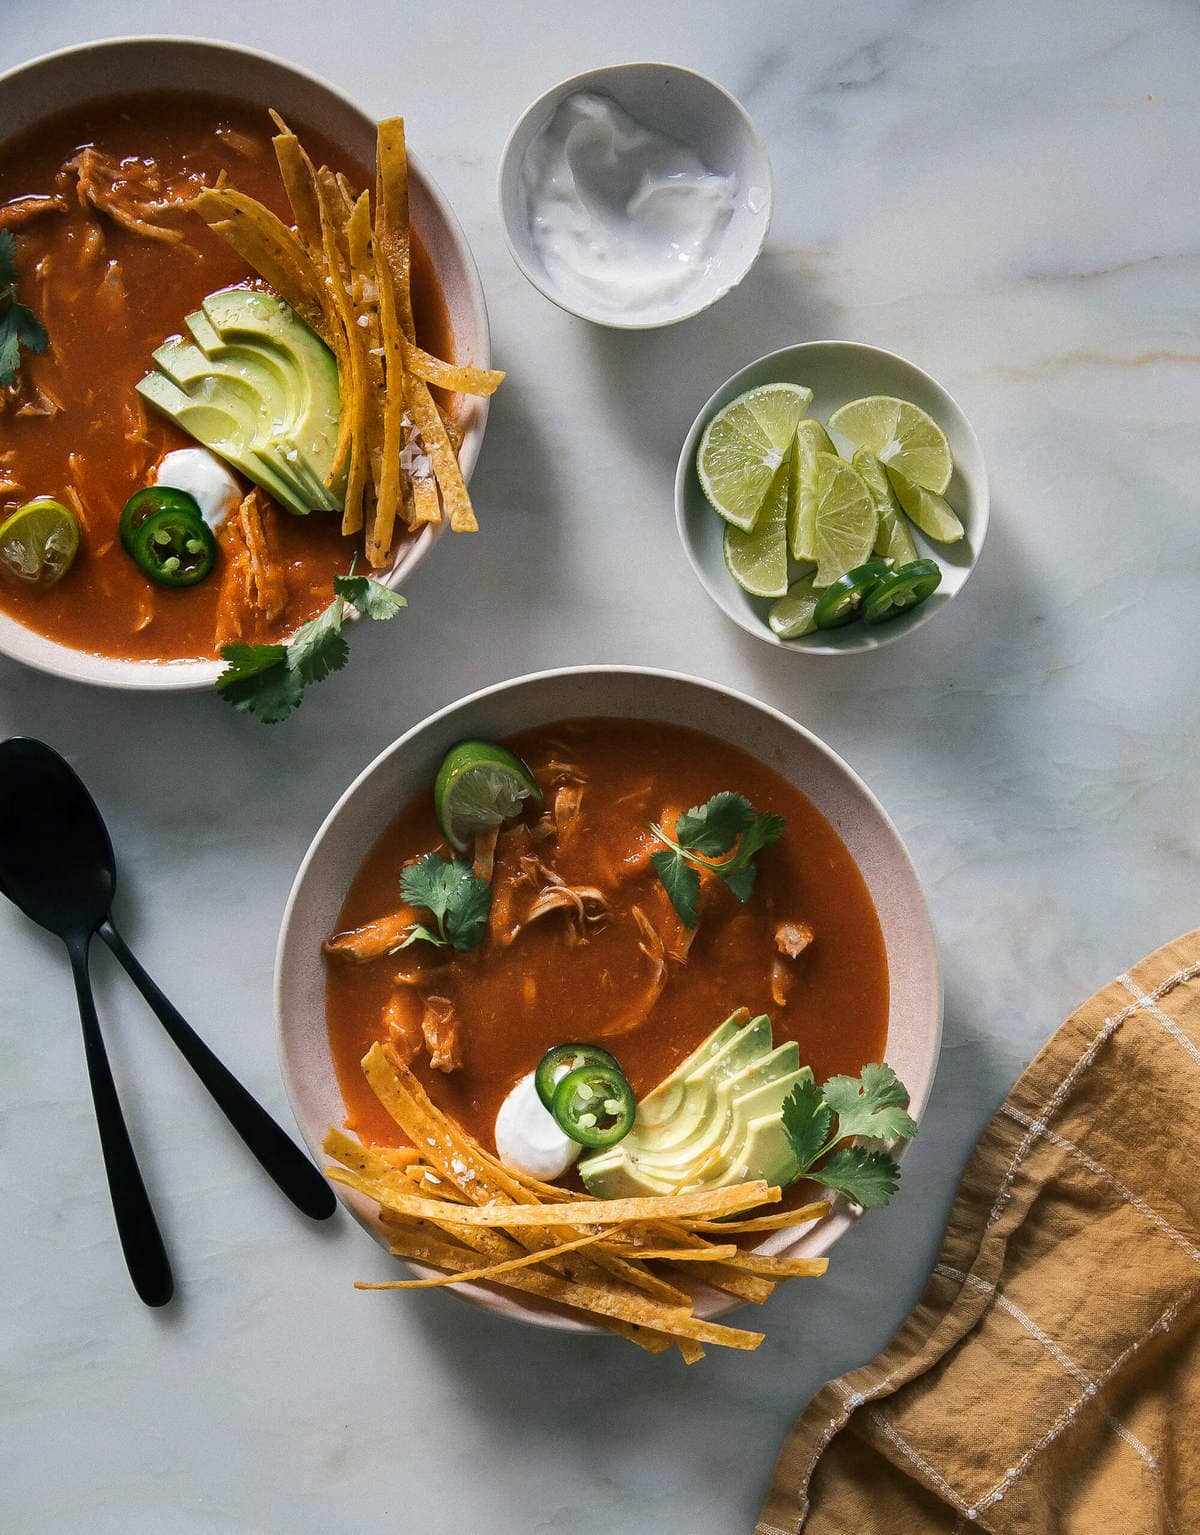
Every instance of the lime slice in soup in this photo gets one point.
(901, 436)
(38, 543)
(479, 785)
(743, 447)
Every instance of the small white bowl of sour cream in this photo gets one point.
(636, 195)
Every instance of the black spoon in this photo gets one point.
(57, 865)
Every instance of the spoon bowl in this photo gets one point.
(56, 857)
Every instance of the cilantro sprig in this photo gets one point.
(455, 897)
(269, 680)
(19, 326)
(703, 835)
(816, 1119)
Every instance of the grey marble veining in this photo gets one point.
(1007, 195)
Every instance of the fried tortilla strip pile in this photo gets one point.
(345, 267)
(448, 1204)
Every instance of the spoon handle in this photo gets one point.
(141, 1241)
(275, 1150)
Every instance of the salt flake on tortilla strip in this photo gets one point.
(459, 512)
(452, 377)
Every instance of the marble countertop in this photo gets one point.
(1006, 195)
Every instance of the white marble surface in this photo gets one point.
(1006, 194)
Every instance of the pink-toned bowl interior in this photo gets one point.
(49, 85)
(408, 768)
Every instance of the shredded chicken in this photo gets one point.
(23, 210)
(792, 938)
(267, 580)
(40, 404)
(586, 907)
(373, 939)
(782, 976)
(484, 864)
(651, 945)
(440, 1026)
(403, 1028)
(241, 143)
(567, 801)
(129, 197)
(653, 948)
(234, 592)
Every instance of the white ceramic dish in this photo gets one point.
(408, 767)
(837, 372)
(696, 112)
(35, 91)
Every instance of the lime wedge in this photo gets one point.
(479, 785)
(900, 435)
(845, 521)
(38, 543)
(757, 560)
(744, 444)
(935, 517)
(811, 439)
(893, 540)
(792, 615)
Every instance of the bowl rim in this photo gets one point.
(843, 1216)
(184, 674)
(885, 634)
(508, 170)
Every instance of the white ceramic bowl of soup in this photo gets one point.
(694, 112)
(408, 767)
(838, 372)
(74, 77)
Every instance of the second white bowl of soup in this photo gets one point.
(615, 752)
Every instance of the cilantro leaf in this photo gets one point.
(319, 647)
(681, 881)
(19, 326)
(869, 1178)
(807, 1121)
(418, 932)
(458, 899)
(10, 349)
(8, 259)
(258, 680)
(714, 827)
(702, 835)
(873, 1104)
(371, 598)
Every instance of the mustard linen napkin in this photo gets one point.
(1048, 1383)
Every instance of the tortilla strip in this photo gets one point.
(427, 505)
(389, 491)
(766, 1267)
(586, 1213)
(391, 214)
(680, 1254)
(359, 240)
(470, 1276)
(424, 412)
(299, 182)
(720, 1276)
(372, 1161)
(351, 447)
(800, 1217)
(453, 377)
(270, 247)
(591, 1298)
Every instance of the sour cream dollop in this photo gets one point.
(622, 217)
(202, 475)
(528, 1138)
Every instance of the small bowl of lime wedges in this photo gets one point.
(831, 497)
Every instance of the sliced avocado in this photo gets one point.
(719, 1112)
(248, 315)
(218, 426)
(253, 362)
(249, 376)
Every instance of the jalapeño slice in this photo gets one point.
(595, 1106)
(144, 503)
(556, 1063)
(902, 589)
(174, 548)
(842, 602)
